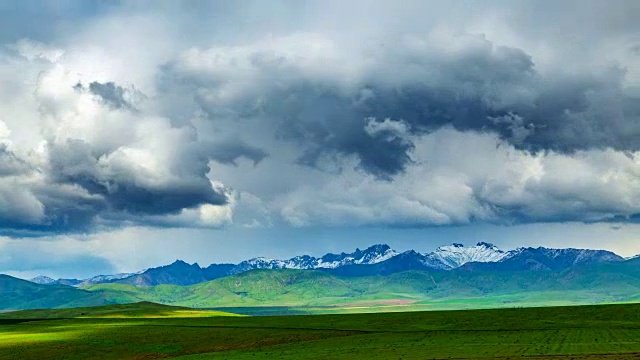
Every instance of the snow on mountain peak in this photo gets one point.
(43, 280)
(377, 248)
(375, 254)
(371, 255)
(456, 255)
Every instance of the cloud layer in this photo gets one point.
(456, 117)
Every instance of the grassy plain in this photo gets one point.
(147, 331)
(310, 291)
(318, 292)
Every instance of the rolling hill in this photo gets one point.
(17, 294)
(611, 282)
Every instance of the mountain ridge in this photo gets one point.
(575, 279)
(378, 259)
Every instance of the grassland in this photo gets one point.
(316, 292)
(145, 331)
(310, 291)
(137, 310)
(16, 294)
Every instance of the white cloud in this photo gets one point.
(33, 50)
(88, 162)
(458, 178)
(388, 127)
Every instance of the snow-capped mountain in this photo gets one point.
(177, 273)
(571, 256)
(375, 260)
(181, 273)
(45, 280)
(545, 259)
(456, 255)
(42, 280)
(371, 255)
(107, 278)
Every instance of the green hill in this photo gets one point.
(419, 290)
(277, 288)
(17, 294)
(455, 289)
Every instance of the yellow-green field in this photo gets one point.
(148, 331)
(141, 310)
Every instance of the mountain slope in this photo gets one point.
(544, 259)
(371, 255)
(99, 279)
(269, 287)
(17, 294)
(408, 260)
(584, 278)
(583, 283)
(181, 273)
(42, 280)
(456, 255)
(178, 273)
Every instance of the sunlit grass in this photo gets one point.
(11, 337)
(583, 332)
(136, 310)
(164, 314)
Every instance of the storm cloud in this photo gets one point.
(113, 95)
(413, 115)
(98, 161)
(319, 93)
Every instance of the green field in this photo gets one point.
(307, 291)
(148, 331)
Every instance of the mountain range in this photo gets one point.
(375, 260)
(528, 277)
(452, 276)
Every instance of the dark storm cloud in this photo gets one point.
(112, 94)
(73, 162)
(325, 123)
(10, 164)
(83, 202)
(564, 114)
(478, 86)
(228, 152)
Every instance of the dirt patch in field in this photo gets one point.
(394, 302)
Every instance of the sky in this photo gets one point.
(133, 133)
